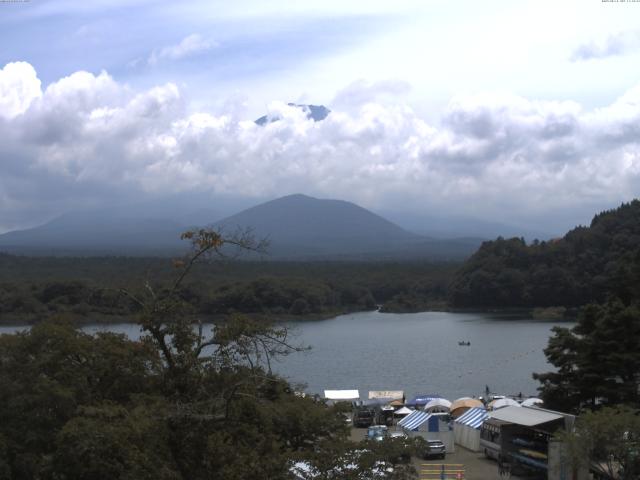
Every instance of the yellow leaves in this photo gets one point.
(178, 263)
(204, 239)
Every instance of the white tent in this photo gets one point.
(503, 402)
(384, 394)
(466, 428)
(403, 411)
(341, 395)
(530, 402)
(438, 405)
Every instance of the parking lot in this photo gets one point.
(470, 465)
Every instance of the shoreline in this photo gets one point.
(554, 314)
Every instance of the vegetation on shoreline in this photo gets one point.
(33, 288)
(552, 279)
(589, 264)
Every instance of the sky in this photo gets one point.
(523, 112)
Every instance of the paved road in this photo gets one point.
(471, 465)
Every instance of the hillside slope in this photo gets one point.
(587, 264)
(299, 226)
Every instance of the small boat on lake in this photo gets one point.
(464, 344)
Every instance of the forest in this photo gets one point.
(589, 264)
(32, 288)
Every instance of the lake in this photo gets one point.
(417, 353)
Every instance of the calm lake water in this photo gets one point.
(417, 353)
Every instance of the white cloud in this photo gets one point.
(89, 137)
(190, 46)
(19, 86)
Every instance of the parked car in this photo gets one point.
(377, 432)
(363, 417)
(433, 449)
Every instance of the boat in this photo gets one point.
(464, 344)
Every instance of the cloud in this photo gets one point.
(19, 87)
(189, 46)
(616, 44)
(362, 91)
(87, 139)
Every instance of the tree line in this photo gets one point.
(589, 264)
(32, 288)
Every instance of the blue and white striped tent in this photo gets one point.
(466, 428)
(473, 417)
(414, 420)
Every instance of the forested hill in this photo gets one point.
(587, 265)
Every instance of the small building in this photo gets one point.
(523, 436)
(466, 428)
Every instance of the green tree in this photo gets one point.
(597, 361)
(181, 403)
(609, 439)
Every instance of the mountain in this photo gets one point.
(454, 226)
(90, 233)
(314, 112)
(588, 264)
(299, 226)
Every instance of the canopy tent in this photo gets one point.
(473, 417)
(438, 405)
(414, 420)
(386, 395)
(466, 428)
(421, 400)
(461, 405)
(430, 426)
(502, 402)
(403, 411)
(341, 395)
(530, 402)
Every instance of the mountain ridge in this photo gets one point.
(300, 227)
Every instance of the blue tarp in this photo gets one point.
(421, 400)
(473, 417)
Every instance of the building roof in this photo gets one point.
(527, 416)
(341, 394)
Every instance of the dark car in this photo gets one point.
(363, 417)
(433, 449)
